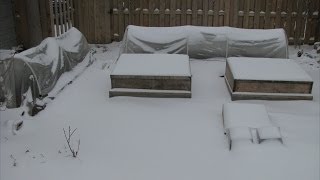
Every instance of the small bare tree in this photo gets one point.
(68, 139)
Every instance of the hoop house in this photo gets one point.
(39, 68)
(206, 42)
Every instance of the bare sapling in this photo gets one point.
(68, 136)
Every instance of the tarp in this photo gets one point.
(39, 68)
(206, 42)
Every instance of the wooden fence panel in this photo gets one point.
(297, 17)
(311, 21)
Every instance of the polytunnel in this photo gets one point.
(40, 67)
(206, 42)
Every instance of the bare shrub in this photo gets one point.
(68, 136)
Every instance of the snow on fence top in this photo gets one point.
(206, 42)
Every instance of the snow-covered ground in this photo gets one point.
(127, 138)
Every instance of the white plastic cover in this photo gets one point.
(39, 68)
(206, 42)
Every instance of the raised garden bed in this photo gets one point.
(266, 78)
(151, 75)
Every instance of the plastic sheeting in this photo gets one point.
(206, 42)
(39, 68)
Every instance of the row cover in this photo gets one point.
(39, 68)
(206, 42)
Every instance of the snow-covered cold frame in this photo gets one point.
(128, 138)
(152, 65)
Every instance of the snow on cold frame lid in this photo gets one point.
(153, 65)
(273, 69)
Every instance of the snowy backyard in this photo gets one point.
(131, 138)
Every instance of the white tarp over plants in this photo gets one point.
(40, 67)
(206, 42)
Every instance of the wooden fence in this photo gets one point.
(102, 21)
(62, 15)
(38, 19)
(32, 21)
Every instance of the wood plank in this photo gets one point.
(33, 22)
(172, 12)
(149, 93)
(120, 19)
(151, 15)
(267, 24)
(46, 18)
(210, 12)
(227, 13)
(126, 15)
(278, 15)
(273, 14)
(141, 12)
(136, 12)
(108, 21)
(91, 21)
(194, 12)
(189, 12)
(131, 12)
(65, 16)
(21, 22)
(317, 22)
(76, 13)
(283, 13)
(289, 23)
(167, 14)
(84, 17)
(72, 12)
(216, 13)
(145, 13)
(240, 14)
(57, 19)
(205, 13)
(69, 14)
(221, 13)
(115, 20)
(256, 14)
(199, 13)
(178, 13)
(156, 12)
(251, 15)
(61, 25)
(51, 16)
(183, 12)
(162, 15)
(246, 14)
(100, 24)
(299, 23)
(262, 13)
(311, 23)
(231, 13)
(235, 13)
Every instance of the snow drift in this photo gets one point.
(206, 42)
(40, 67)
